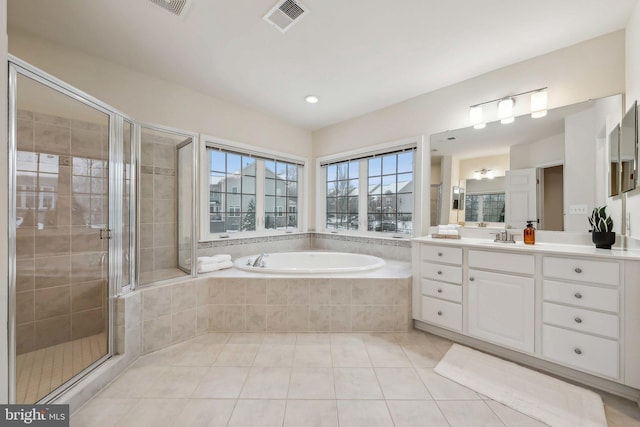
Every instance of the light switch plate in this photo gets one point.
(578, 209)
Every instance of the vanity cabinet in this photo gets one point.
(577, 308)
(441, 286)
(580, 314)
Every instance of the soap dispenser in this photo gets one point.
(529, 234)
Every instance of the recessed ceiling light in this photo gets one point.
(312, 99)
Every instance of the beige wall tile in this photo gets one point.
(156, 302)
(85, 239)
(25, 338)
(383, 318)
(202, 292)
(216, 291)
(297, 318)
(256, 318)
(361, 292)
(25, 279)
(383, 292)
(298, 292)
(85, 296)
(52, 302)
(164, 235)
(87, 323)
(146, 235)
(165, 257)
(24, 134)
(202, 319)
(52, 139)
(25, 243)
(86, 143)
(340, 292)
(256, 291)
(234, 291)
(276, 291)
(341, 318)
(319, 291)
(183, 296)
(361, 318)
(164, 187)
(276, 318)
(52, 241)
(319, 318)
(156, 333)
(164, 155)
(164, 211)
(146, 210)
(216, 318)
(234, 318)
(183, 325)
(146, 260)
(52, 331)
(401, 318)
(87, 267)
(25, 307)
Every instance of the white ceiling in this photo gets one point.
(356, 55)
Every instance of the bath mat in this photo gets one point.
(539, 396)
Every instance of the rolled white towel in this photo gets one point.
(208, 268)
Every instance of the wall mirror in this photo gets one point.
(547, 170)
(614, 161)
(629, 150)
(458, 198)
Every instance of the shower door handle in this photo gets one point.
(105, 233)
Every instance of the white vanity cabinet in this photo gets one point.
(581, 315)
(441, 286)
(565, 306)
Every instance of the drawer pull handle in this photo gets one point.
(577, 351)
(439, 313)
(471, 279)
(578, 320)
(439, 290)
(439, 253)
(439, 273)
(577, 270)
(577, 295)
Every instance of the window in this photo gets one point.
(484, 207)
(372, 193)
(248, 192)
(280, 190)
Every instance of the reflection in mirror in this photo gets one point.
(557, 159)
(614, 162)
(628, 150)
(458, 198)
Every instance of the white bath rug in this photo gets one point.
(539, 396)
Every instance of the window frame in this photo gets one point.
(260, 154)
(418, 217)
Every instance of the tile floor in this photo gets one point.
(303, 380)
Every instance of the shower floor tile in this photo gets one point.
(40, 372)
(301, 380)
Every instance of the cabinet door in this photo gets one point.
(501, 309)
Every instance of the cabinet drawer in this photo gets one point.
(446, 273)
(581, 320)
(581, 295)
(443, 313)
(581, 351)
(500, 261)
(584, 270)
(442, 290)
(442, 254)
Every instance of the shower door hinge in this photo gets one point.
(105, 233)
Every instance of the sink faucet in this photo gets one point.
(259, 262)
(504, 237)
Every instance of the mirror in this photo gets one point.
(614, 162)
(628, 150)
(548, 169)
(458, 198)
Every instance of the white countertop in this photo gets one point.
(551, 248)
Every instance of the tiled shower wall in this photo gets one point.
(61, 199)
(158, 220)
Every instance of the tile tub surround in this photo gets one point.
(238, 301)
(356, 379)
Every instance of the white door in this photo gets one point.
(501, 309)
(520, 198)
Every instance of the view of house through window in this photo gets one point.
(249, 193)
(388, 188)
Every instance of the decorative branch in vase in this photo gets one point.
(602, 233)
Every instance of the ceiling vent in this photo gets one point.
(177, 7)
(285, 14)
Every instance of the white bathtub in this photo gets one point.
(310, 263)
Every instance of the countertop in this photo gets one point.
(549, 248)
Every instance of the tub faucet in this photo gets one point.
(259, 262)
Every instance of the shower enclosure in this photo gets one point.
(76, 166)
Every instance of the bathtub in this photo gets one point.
(310, 263)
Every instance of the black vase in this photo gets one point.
(603, 239)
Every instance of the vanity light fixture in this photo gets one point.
(312, 99)
(483, 173)
(505, 108)
(539, 104)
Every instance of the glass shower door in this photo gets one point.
(60, 194)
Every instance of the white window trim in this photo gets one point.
(205, 141)
(420, 201)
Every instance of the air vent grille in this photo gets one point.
(285, 14)
(177, 7)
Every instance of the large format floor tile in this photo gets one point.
(307, 380)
